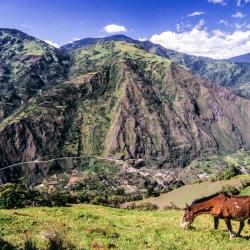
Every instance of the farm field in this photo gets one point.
(188, 193)
(97, 227)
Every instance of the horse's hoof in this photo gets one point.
(232, 236)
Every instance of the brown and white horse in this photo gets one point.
(220, 206)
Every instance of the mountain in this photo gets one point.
(27, 65)
(224, 72)
(91, 41)
(122, 104)
(240, 59)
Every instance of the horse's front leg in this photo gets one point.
(240, 227)
(229, 227)
(216, 223)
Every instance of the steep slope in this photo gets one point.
(225, 72)
(122, 102)
(27, 65)
(241, 58)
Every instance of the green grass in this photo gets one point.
(245, 191)
(187, 193)
(96, 227)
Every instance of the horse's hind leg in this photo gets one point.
(240, 228)
(216, 222)
(229, 227)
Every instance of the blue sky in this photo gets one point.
(190, 26)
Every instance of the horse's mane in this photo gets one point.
(206, 198)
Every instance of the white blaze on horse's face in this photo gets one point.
(187, 219)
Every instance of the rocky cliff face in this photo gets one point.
(122, 102)
(232, 74)
(27, 65)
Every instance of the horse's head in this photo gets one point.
(188, 217)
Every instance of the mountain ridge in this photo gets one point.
(223, 72)
(122, 102)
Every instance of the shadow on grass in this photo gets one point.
(4, 245)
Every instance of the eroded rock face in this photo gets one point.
(27, 65)
(122, 102)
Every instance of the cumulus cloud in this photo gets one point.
(54, 44)
(183, 26)
(200, 24)
(239, 2)
(222, 2)
(222, 21)
(238, 15)
(114, 28)
(196, 13)
(200, 42)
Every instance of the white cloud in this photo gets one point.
(200, 24)
(196, 13)
(114, 28)
(54, 44)
(238, 3)
(142, 39)
(222, 21)
(240, 26)
(222, 2)
(28, 26)
(238, 15)
(183, 26)
(200, 42)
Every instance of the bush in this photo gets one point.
(14, 196)
(19, 196)
(116, 200)
(245, 183)
(135, 197)
(144, 206)
(228, 173)
(229, 189)
(4, 245)
(57, 240)
(29, 244)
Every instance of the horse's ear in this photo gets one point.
(187, 207)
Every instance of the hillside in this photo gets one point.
(96, 227)
(240, 58)
(121, 102)
(27, 66)
(228, 73)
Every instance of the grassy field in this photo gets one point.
(96, 227)
(188, 193)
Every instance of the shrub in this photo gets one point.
(116, 200)
(4, 245)
(100, 200)
(230, 190)
(19, 196)
(135, 197)
(245, 183)
(228, 173)
(120, 191)
(29, 244)
(146, 206)
(57, 240)
(14, 196)
(57, 198)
